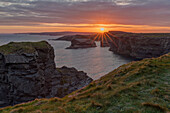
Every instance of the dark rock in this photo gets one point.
(71, 37)
(12, 59)
(82, 43)
(141, 46)
(118, 32)
(25, 76)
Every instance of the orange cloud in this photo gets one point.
(56, 27)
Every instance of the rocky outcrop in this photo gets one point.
(141, 46)
(70, 80)
(71, 37)
(27, 71)
(82, 43)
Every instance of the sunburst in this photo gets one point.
(104, 37)
(102, 29)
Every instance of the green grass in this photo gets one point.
(136, 87)
(28, 47)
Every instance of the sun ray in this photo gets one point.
(113, 35)
(116, 37)
(99, 37)
(102, 40)
(111, 40)
(95, 37)
(105, 37)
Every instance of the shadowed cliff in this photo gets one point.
(140, 45)
(28, 71)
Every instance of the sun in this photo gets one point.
(102, 29)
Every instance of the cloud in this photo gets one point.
(128, 12)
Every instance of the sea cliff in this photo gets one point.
(28, 71)
(140, 46)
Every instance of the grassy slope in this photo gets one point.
(141, 86)
(28, 47)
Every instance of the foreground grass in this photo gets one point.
(141, 86)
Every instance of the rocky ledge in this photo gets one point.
(28, 71)
(139, 46)
(82, 43)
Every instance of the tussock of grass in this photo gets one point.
(155, 91)
(71, 99)
(95, 104)
(97, 95)
(84, 96)
(55, 99)
(109, 87)
(157, 106)
(39, 103)
(141, 86)
(61, 110)
(37, 111)
(17, 110)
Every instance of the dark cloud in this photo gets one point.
(129, 12)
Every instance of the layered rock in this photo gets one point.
(28, 71)
(82, 43)
(141, 45)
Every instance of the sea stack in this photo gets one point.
(82, 43)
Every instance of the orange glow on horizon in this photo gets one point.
(55, 27)
(102, 30)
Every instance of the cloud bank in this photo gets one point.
(47, 12)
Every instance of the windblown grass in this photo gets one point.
(141, 86)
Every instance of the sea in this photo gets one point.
(96, 62)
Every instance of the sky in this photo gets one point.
(22, 16)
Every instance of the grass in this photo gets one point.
(136, 87)
(27, 47)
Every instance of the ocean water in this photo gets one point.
(96, 62)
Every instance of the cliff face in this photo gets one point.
(141, 45)
(27, 71)
(82, 43)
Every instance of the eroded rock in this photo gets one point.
(29, 72)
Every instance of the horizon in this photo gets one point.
(81, 32)
(36, 16)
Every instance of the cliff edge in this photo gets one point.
(28, 71)
(139, 46)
